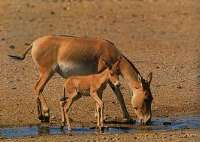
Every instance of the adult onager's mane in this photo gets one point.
(134, 68)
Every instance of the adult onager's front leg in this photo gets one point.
(121, 101)
(43, 110)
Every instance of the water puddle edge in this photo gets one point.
(158, 124)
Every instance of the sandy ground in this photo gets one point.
(161, 36)
(174, 136)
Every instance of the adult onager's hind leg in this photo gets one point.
(43, 110)
(62, 104)
(121, 101)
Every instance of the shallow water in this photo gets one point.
(158, 124)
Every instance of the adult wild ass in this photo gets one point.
(69, 56)
(95, 84)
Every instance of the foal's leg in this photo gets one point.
(66, 110)
(97, 113)
(100, 93)
(121, 101)
(62, 104)
(94, 95)
(72, 97)
(43, 110)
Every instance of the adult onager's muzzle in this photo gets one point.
(146, 120)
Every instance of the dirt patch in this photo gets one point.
(173, 136)
(161, 36)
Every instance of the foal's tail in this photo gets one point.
(23, 56)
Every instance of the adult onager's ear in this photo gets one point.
(140, 79)
(116, 67)
(116, 64)
(149, 77)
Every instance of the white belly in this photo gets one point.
(70, 69)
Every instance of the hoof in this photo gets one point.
(129, 120)
(40, 117)
(101, 129)
(44, 118)
(62, 125)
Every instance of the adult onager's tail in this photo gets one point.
(23, 56)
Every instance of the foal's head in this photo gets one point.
(113, 74)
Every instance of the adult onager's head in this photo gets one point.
(142, 99)
(141, 94)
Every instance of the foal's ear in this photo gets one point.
(149, 77)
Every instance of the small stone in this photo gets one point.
(12, 46)
(179, 87)
(134, 15)
(52, 12)
(27, 44)
(32, 20)
(69, 134)
(101, 17)
(167, 123)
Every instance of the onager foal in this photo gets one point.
(95, 84)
